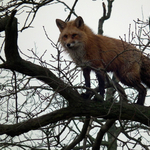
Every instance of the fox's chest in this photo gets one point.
(79, 57)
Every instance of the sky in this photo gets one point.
(123, 14)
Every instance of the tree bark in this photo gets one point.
(106, 110)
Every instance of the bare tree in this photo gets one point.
(42, 108)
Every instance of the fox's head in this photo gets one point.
(71, 33)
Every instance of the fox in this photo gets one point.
(102, 54)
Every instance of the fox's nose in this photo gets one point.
(68, 45)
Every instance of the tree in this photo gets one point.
(42, 108)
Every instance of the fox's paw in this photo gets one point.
(87, 95)
(98, 98)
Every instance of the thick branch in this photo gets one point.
(45, 75)
(106, 110)
(11, 35)
(33, 124)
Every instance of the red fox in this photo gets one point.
(97, 52)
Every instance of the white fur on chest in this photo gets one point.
(78, 56)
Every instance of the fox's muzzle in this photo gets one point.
(70, 45)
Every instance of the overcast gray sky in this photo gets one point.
(123, 14)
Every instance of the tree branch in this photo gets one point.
(71, 11)
(105, 16)
(81, 136)
(11, 36)
(101, 133)
(106, 110)
(45, 75)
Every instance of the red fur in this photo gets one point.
(96, 51)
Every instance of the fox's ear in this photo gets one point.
(60, 24)
(79, 22)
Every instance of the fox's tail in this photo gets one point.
(145, 70)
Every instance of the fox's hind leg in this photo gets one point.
(142, 93)
(132, 79)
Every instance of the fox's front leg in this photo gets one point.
(86, 74)
(101, 80)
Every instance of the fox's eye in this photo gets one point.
(65, 36)
(74, 35)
